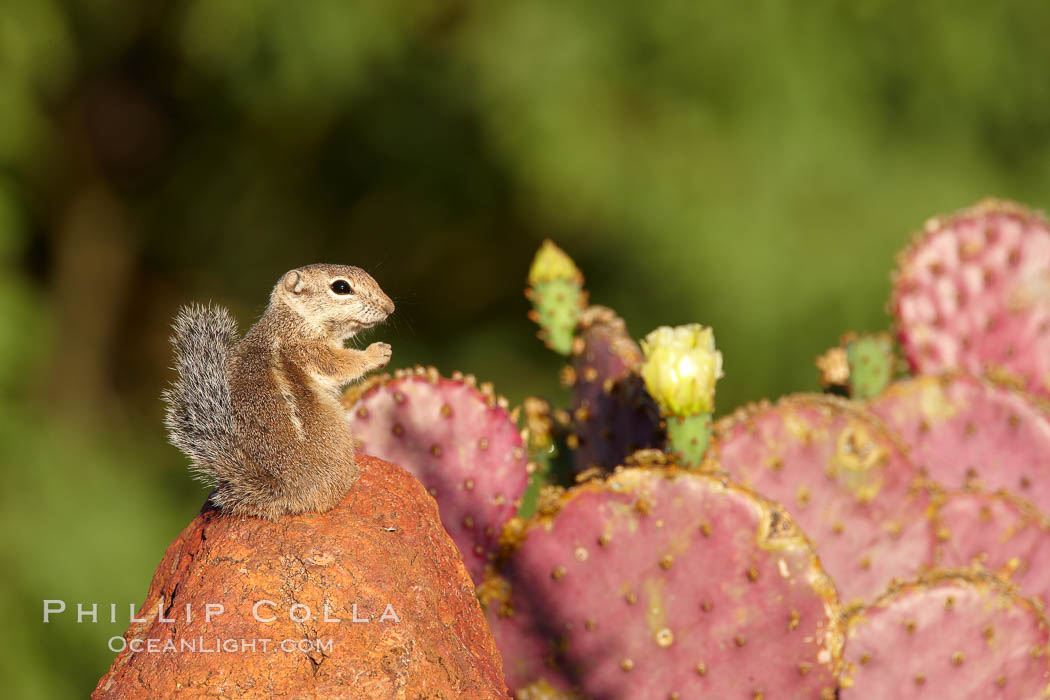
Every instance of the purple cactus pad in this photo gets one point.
(665, 583)
(456, 438)
(962, 636)
(997, 532)
(964, 431)
(843, 478)
(972, 292)
(613, 414)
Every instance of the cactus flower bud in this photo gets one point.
(551, 263)
(681, 368)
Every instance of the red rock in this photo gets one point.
(382, 546)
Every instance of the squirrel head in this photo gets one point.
(336, 300)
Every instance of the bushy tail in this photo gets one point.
(199, 418)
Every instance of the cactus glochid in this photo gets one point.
(455, 437)
(659, 582)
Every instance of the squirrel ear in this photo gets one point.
(293, 282)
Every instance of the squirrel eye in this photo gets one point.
(342, 287)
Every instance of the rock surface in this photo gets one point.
(383, 550)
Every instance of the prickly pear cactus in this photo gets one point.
(665, 583)
(456, 438)
(860, 366)
(997, 532)
(550, 459)
(871, 361)
(841, 476)
(973, 292)
(962, 430)
(963, 636)
(680, 371)
(520, 627)
(557, 295)
(613, 415)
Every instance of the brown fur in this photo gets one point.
(285, 447)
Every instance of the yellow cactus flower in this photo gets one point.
(551, 263)
(681, 368)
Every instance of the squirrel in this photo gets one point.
(260, 418)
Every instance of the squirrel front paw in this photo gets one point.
(379, 354)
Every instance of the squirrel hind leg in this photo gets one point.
(236, 500)
(321, 492)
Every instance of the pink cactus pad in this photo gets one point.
(456, 438)
(998, 532)
(613, 415)
(519, 626)
(841, 476)
(973, 292)
(962, 636)
(961, 430)
(665, 583)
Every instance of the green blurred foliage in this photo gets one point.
(752, 167)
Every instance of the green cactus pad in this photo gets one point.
(871, 363)
(860, 366)
(688, 437)
(557, 295)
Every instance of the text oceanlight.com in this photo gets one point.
(215, 645)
